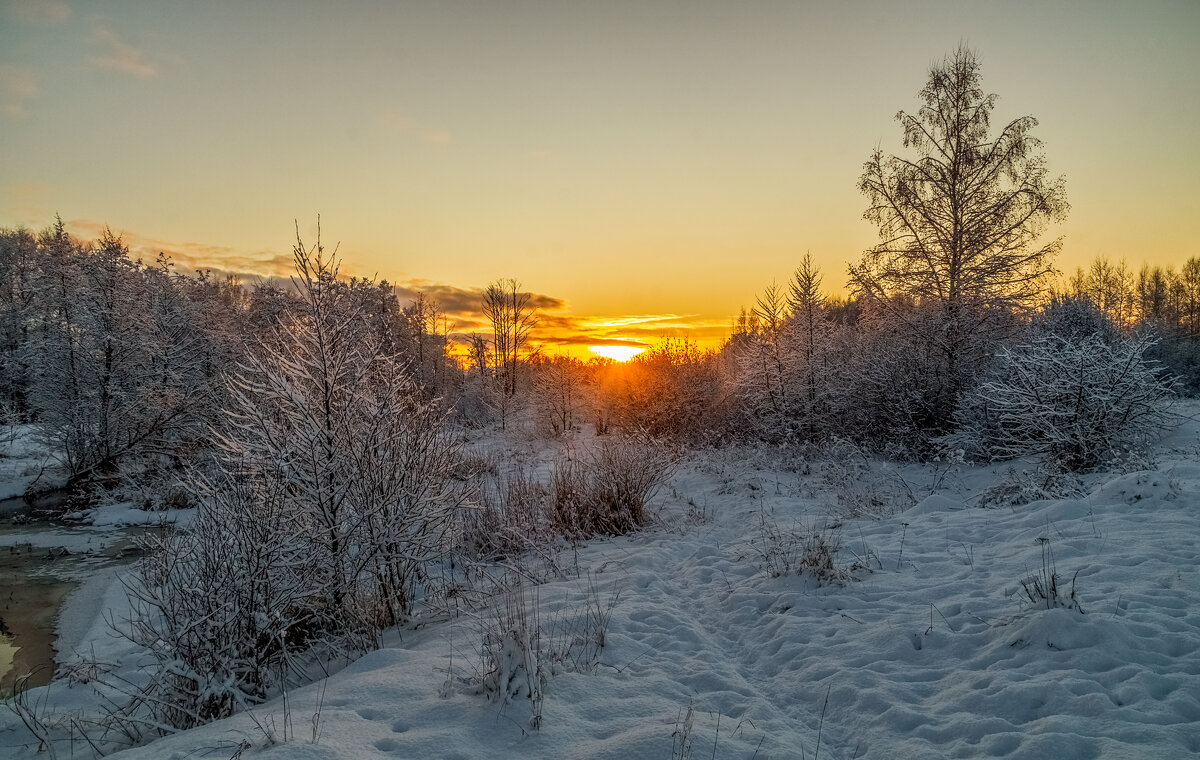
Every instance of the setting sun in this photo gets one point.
(616, 353)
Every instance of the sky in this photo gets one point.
(646, 168)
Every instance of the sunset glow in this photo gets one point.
(447, 145)
(616, 353)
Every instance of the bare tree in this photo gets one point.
(428, 349)
(19, 267)
(512, 318)
(118, 357)
(558, 381)
(1110, 289)
(478, 353)
(959, 223)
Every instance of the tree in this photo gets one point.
(512, 318)
(118, 360)
(365, 451)
(558, 383)
(960, 222)
(19, 267)
(1109, 287)
(811, 331)
(769, 361)
(427, 348)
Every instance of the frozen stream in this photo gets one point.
(40, 564)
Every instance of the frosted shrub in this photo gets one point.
(329, 490)
(1079, 400)
(220, 607)
(508, 519)
(1020, 488)
(511, 651)
(672, 390)
(606, 492)
(864, 486)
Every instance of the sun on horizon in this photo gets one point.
(616, 353)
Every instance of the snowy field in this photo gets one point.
(729, 637)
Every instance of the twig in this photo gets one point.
(821, 725)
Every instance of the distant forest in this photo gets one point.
(126, 367)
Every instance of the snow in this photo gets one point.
(124, 514)
(22, 460)
(934, 650)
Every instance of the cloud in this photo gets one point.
(27, 200)
(119, 56)
(634, 330)
(41, 12)
(635, 319)
(189, 257)
(590, 340)
(462, 307)
(17, 87)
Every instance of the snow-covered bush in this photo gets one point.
(221, 606)
(1019, 488)
(863, 485)
(509, 518)
(1079, 400)
(512, 663)
(330, 488)
(606, 492)
(559, 393)
(523, 641)
(673, 390)
(1074, 318)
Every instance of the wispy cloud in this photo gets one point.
(17, 87)
(42, 12)
(634, 319)
(189, 257)
(462, 307)
(119, 56)
(635, 330)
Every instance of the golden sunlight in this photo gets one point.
(616, 353)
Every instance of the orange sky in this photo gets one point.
(653, 162)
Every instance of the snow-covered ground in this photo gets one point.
(930, 648)
(23, 460)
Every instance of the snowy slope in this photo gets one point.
(932, 650)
